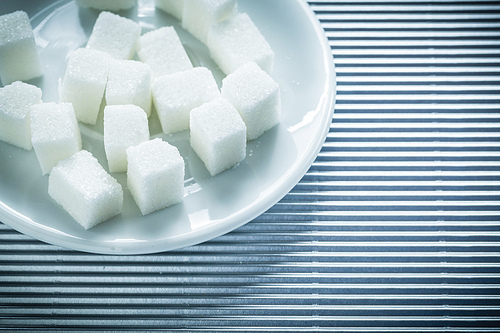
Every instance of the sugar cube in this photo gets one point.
(115, 35)
(85, 190)
(129, 82)
(218, 135)
(177, 94)
(163, 51)
(199, 15)
(55, 134)
(173, 7)
(15, 101)
(256, 96)
(124, 126)
(19, 58)
(236, 41)
(155, 175)
(84, 83)
(112, 5)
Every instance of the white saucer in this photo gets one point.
(275, 162)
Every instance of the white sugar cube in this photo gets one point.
(112, 5)
(15, 102)
(218, 135)
(199, 15)
(236, 41)
(124, 126)
(177, 94)
(84, 83)
(55, 134)
(173, 7)
(129, 82)
(85, 190)
(256, 96)
(115, 35)
(155, 175)
(19, 59)
(163, 51)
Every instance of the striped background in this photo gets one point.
(396, 226)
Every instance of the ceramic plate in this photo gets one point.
(212, 206)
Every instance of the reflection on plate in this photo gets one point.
(275, 162)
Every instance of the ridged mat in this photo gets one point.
(395, 227)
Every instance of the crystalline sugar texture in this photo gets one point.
(218, 135)
(54, 133)
(256, 96)
(15, 102)
(19, 59)
(124, 126)
(129, 82)
(155, 175)
(162, 50)
(84, 83)
(173, 7)
(84, 189)
(112, 5)
(115, 35)
(236, 41)
(199, 15)
(177, 94)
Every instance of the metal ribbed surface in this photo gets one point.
(395, 227)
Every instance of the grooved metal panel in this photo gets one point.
(395, 227)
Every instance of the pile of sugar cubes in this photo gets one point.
(136, 73)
